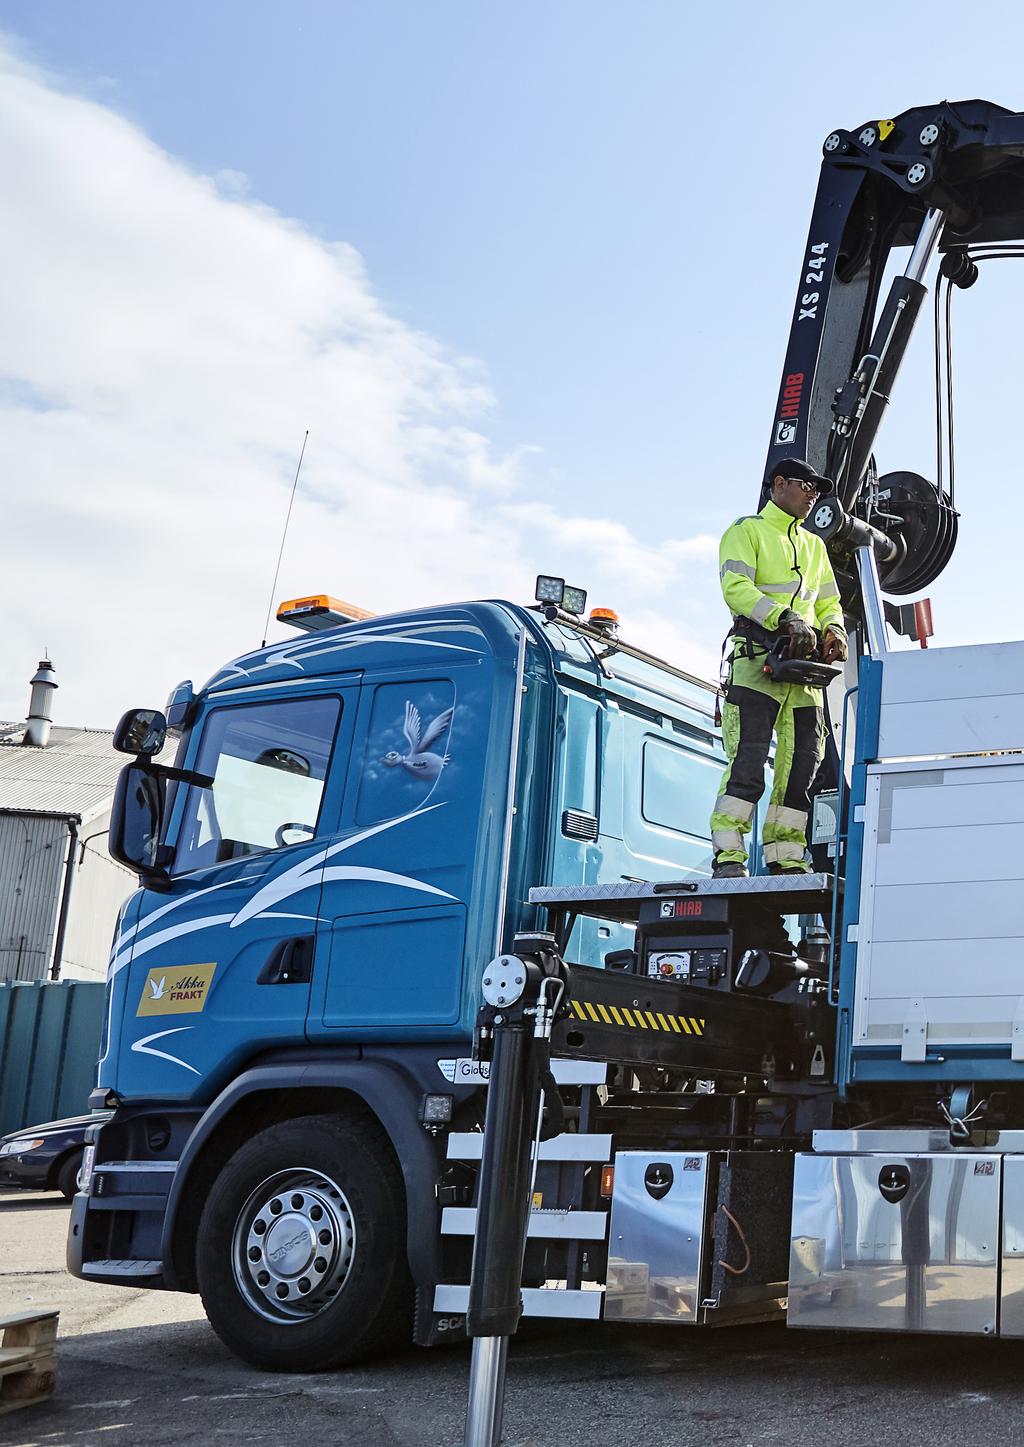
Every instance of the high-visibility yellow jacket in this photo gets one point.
(768, 563)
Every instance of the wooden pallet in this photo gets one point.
(28, 1358)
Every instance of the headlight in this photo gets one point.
(15, 1148)
(85, 1170)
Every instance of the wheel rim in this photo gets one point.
(293, 1245)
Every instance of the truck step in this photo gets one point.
(122, 1268)
(133, 1167)
(579, 1072)
(537, 1301)
(469, 1145)
(553, 1225)
(28, 1358)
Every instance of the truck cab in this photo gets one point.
(351, 829)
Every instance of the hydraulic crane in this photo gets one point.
(946, 178)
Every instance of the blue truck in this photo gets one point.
(395, 852)
(352, 827)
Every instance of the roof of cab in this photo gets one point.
(458, 632)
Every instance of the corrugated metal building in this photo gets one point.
(59, 889)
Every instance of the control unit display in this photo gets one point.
(693, 965)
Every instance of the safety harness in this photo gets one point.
(752, 641)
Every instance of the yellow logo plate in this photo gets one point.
(180, 990)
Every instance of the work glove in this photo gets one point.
(803, 641)
(834, 647)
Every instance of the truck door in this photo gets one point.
(221, 962)
(411, 879)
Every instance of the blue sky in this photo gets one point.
(568, 238)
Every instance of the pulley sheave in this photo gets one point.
(922, 522)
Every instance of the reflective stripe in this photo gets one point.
(761, 610)
(788, 818)
(777, 853)
(788, 590)
(828, 590)
(726, 839)
(733, 565)
(734, 808)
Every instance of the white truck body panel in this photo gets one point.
(940, 939)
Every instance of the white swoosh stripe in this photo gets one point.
(145, 1047)
(162, 936)
(369, 631)
(174, 904)
(382, 876)
(282, 886)
(304, 875)
(294, 654)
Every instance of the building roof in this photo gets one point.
(74, 774)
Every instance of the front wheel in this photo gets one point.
(67, 1176)
(301, 1255)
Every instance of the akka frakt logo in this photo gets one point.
(179, 991)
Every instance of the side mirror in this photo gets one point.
(141, 731)
(136, 818)
(179, 706)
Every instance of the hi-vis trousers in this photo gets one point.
(754, 708)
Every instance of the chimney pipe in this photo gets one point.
(37, 734)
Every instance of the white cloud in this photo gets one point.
(646, 568)
(165, 340)
(232, 183)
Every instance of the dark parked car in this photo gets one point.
(46, 1157)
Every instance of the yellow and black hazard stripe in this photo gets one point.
(634, 1019)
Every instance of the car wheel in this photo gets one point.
(67, 1176)
(301, 1259)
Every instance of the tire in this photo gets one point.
(301, 1258)
(67, 1176)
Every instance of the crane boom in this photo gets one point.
(947, 177)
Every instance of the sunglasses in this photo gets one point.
(808, 487)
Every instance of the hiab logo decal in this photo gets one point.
(180, 991)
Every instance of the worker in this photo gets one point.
(778, 577)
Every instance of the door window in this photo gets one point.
(408, 748)
(268, 762)
(679, 788)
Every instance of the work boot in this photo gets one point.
(731, 870)
(781, 869)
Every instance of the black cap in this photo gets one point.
(797, 467)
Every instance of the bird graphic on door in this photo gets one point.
(419, 760)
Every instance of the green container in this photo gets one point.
(49, 1043)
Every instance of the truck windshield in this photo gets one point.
(268, 761)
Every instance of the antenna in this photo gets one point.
(284, 535)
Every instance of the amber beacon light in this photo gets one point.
(319, 610)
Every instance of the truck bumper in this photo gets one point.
(117, 1218)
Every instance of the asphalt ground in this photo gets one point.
(143, 1367)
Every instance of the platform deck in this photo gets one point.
(805, 894)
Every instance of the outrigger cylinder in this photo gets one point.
(522, 995)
